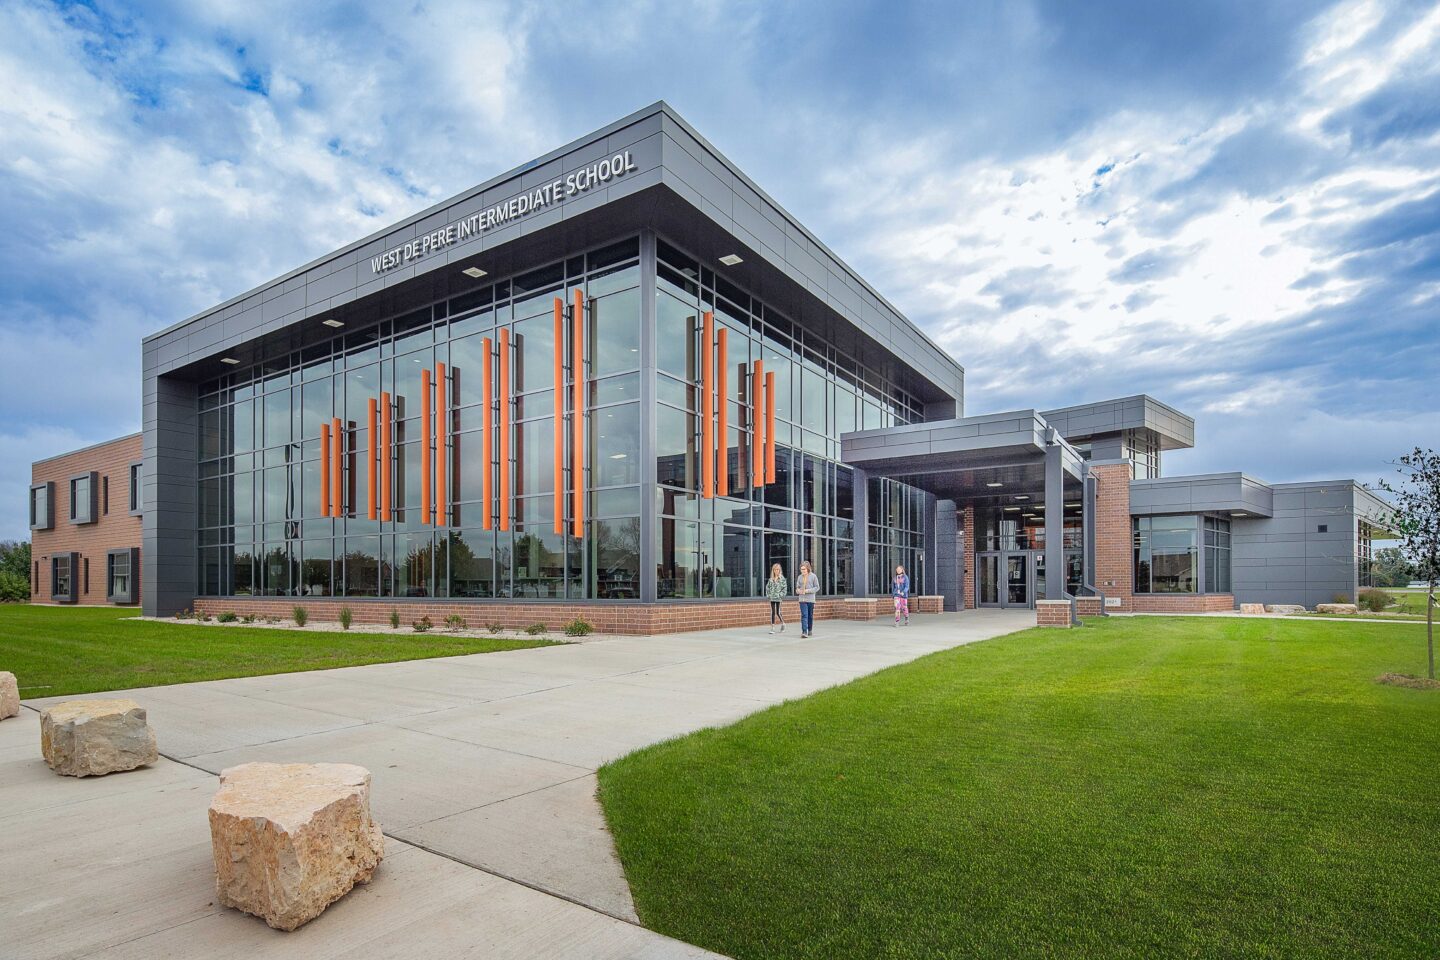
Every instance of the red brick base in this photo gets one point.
(1052, 613)
(638, 619)
(1088, 606)
(1182, 603)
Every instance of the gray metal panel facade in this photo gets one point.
(672, 163)
(1206, 493)
(1287, 558)
(1139, 412)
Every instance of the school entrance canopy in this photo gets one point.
(992, 461)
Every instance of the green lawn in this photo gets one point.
(1139, 787)
(59, 650)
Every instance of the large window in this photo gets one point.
(1142, 447)
(1217, 555)
(1166, 555)
(121, 568)
(262, 530)
(725, 546)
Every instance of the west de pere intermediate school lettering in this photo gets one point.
(503, 213)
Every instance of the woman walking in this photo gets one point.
(900, 591)
(807, 587)
(775, 590)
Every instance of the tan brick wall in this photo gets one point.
(1114, 541)
(614, 618)
(935, 604)
(92, 541)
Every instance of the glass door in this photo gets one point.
(1017, 580)
(989, 571)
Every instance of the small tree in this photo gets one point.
(1416, 521)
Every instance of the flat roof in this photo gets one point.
(667, 155)
(1139, 412)
(90, 446)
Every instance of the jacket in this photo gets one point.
(900, 586)
(776, 589)
(806, 587)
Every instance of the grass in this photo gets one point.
(1141, 787)
(59, 650)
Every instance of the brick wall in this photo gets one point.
(1052, 613)
(1183, 603)
(1088, 607)
(92, 541)
(614, 618)
(1114, 540)
(967, 517)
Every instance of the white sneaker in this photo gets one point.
(782, 628)
(772, 629)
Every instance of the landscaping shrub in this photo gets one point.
(248, 618)
(455, 623)
(423, 624)
(1340, 598)
(186, 614)
(394, 619)
(1374, 600)
(347, 617)
(535, 629)
(203, 617)
(272, 620)
(227, 617)
(577, 628)
(301, 615)
(494, 628)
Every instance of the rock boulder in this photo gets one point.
(9, 695)
(1285, 608)
(1340, 609)
(90, 738)
(292, 838)
(1252, 608)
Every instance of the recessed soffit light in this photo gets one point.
(994, 483)
(333, 323)
(1022, 496)
(475, 272)
(230, 360)
(1012, 509)
(730, 260)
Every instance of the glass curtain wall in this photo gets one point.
(261, 528)
(724, 546)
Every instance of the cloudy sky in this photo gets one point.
(1234, 206)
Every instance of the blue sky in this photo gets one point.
(1234, 206)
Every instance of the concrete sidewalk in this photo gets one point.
(484, 784)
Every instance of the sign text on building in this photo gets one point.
(500, 214)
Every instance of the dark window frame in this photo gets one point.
(136, 473)
(132, 576)
(92, 477)
(72, 561)
(48, 521)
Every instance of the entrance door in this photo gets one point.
(1017, 580)
(989, 571)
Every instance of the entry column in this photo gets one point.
(1054, 519)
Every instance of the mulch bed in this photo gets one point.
(1406, 680)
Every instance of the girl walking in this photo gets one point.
(807, 588)
(900, 591)
(775, 590)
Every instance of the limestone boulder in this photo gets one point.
(292, 838)
(1285, 608)
(1252, 608)
(90, 738)
(1337, 609)
(9, 695)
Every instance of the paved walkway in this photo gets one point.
(484, 782)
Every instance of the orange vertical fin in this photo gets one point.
(770, 427)
(559, 455)
(486, 390)
(371, 423)
(722, 414)
(504, 428)
(387, 453)
(337, 471)
(427, 448)
(707, 405)
(442, 462)
(577, 413)
(757, 405)
(325, 470)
